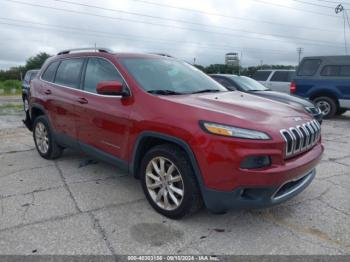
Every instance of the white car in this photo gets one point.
(276, 80)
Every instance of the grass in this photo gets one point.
(7, 86)
(11, 106)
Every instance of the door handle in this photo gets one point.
(48, 92)
(82, 100)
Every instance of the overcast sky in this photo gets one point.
(260, 30)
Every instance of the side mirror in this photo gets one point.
(111, 88)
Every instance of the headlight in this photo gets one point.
(223, 130)
(312, 110)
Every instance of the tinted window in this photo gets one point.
(68, 73)
(27, 77)
(330, 71)
(261, 75)
(334, 70)
(98, 70)
(309, 67)
(345, 70)
(280, 76)
(225, 82)
(49, 73)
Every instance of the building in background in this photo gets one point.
(232, 59)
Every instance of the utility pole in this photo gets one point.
(300, 50)
(194, 61)
(340, 9)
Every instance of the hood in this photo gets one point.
(285, 98)
(241, 108)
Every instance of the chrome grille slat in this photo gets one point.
(301, 138)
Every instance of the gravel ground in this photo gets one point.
(76, 206)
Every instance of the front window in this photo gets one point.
(248, 84)
(169, 76)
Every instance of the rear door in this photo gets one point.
(280, 81)
(62, 94)
(103, 120)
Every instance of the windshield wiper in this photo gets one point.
(164, 92)
(207, 91)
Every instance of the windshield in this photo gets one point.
(248, 84)
(169, 76)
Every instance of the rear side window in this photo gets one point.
(98, 70)
(309, 67)
(334, 70)
(69, 72)
(261, 75)
(280, 76)
(49, 73)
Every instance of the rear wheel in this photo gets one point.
(169, 183)
(44, 140)
(327, 105)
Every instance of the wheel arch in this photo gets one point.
(36, 110)
(325, 92)
(147, 140)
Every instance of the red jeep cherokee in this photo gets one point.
(187, 138)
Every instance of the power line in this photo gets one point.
(313, 4)
(309, 41)
(125, 36)
(175, 20)
(233, 17)
(295, 8)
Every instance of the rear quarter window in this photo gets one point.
(336, 71)
(309, 67)
(261, 75)
(50, 72)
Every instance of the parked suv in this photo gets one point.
(25, 90)
(276, 80)
(326, 81)
(186, 138)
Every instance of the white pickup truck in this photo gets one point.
(275, 79)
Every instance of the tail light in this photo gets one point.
(293, 87)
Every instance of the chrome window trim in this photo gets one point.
(81, 90)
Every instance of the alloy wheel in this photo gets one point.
(164, 183)
(42, 138)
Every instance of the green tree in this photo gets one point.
(35, 62)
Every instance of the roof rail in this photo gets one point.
(95, 49)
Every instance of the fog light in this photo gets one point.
(252, 162)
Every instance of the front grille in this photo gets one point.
(301, 138)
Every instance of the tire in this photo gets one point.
(327, 105)
(183, 179)
(25, 108)
(341, 111)
(44, 140)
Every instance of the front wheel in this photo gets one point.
(327, 105)
(169, 183)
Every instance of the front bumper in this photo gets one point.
(258, 197)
